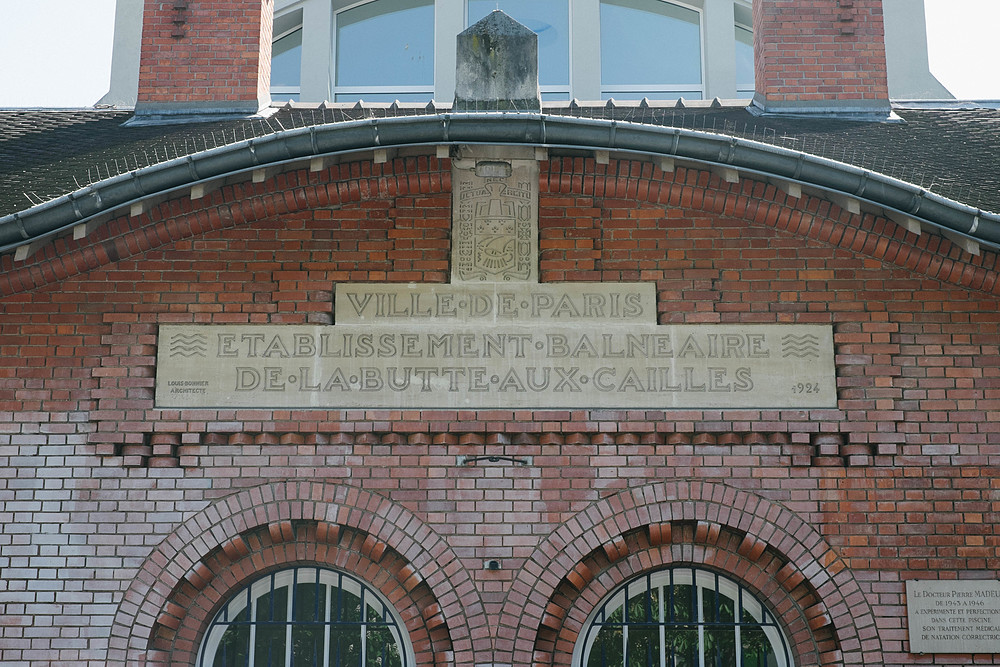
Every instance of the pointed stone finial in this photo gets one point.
(497, 67)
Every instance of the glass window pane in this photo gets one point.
(345, 607)
(646, 43)
(683, 617)
(720, 646)
(234, 648)
(549, 19)
(382, 649)
(643, 645)
(305, 616)
(386, 43)
(683, 603)
(744, 58)
(682, 646)
(286, 60)
(757, 651)
(608, 648)
(272, 617)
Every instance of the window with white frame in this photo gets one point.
(286, 59)
(306, 616)
(386, 50)
(682, 617)
(650, 48)
(744, 50)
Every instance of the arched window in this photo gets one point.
(662, 58)
(682, 617)
(306, 616)
(385, 51)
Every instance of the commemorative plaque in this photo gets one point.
(953, 616)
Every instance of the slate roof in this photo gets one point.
(952, 152)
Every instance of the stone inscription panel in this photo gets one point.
(495, 366)
(554, 303)
(953, 616)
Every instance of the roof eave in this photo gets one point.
(36, 225)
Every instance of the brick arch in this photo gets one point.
(702, 544)
(711, 508)
(275, 509)
(180, 218)
(635, 182)
(631, 184)
(179, 631)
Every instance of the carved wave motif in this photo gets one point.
(193, 345)
(803, 346)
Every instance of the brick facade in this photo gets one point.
(124, 526)
(820, 55)
(205, 56)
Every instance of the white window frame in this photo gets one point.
(287, 90)
(718, 44)
(376, 90)
(743, 88)
(608, 92)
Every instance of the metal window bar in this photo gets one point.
(245, 604)
(665, 585)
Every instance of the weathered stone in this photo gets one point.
(497, 66)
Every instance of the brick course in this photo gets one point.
(114, 513)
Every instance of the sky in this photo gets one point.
(57, 53)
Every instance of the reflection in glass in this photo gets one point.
(386, 43)
(744, 59)
(286, 60)
(304, 616)
(683, 617)
(649, 45)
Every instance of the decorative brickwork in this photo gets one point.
(191, 574)
(804, 581)
(114, 512)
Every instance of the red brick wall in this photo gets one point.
(199, 54)
(126, 521)
(819, 52)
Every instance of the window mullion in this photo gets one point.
(585, 60)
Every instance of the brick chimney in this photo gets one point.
(820, 57)
(204, 58)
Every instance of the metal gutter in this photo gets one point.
(60, 215)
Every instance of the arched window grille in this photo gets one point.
(306, 616)
(683, 617)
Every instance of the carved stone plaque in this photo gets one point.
(507, 365)
(953, 616)
(593, 304)
(494, 220)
